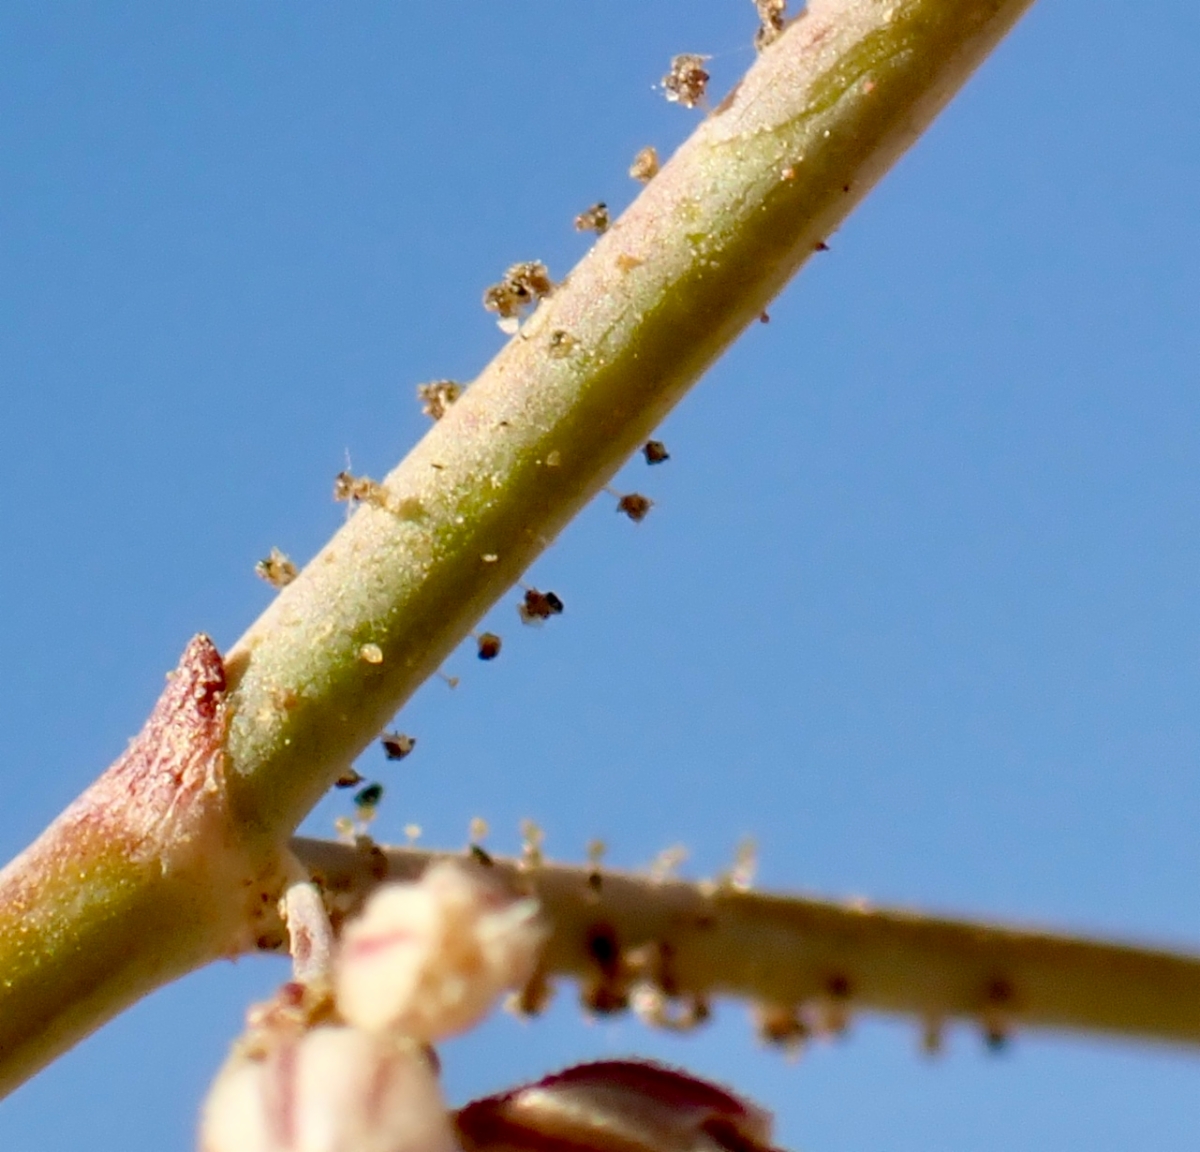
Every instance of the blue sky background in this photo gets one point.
(916, 605)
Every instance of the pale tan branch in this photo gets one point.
(612, 930)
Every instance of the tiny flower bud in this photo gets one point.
(328, 1090)
(428, 959)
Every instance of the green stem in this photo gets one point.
(765, 178)
(697, 257)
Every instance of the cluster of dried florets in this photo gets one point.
(538, 606)
(595, 219)
(645, 165)
(771, 21)
(276, 569)
(522, 286)
(687, 81)
(437, 396)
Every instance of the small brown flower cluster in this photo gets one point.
(487, 645)
(276, 569)
(645, 165)
(771, 21)
(687, 81)
(538, 606)
(437, 396)
(523, 285)
(361, 489)
(635, 506)
(595, 219)
(396, 745)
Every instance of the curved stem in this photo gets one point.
(614, 930)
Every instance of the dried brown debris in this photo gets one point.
(771, 21)
(655, 452)
(347, 487)
(276, 569)
(437, 396)
(595, 219)
(522, 285)
(635, 506)
(645, 165)
(488, 645)
(687, 81)
(539, 606)
(396, 745)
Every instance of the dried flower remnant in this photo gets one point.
(437, 396)
(396, 745)
(428, 959)
(488, 645)
(655, 452)
(328, 1089)
(771, 21)
(539, 606)
(635, 506)
(276, 569)
(616, 1106)
(645, 165)
(348, 779)
(348, 487)
(523, 284)
(687, 81)
(595, 219)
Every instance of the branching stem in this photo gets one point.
(770, 173)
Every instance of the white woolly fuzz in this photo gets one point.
(428, 959)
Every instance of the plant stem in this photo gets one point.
(697, 257)
(786, 952)
(771, 172)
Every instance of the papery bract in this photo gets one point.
(327, 1090)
